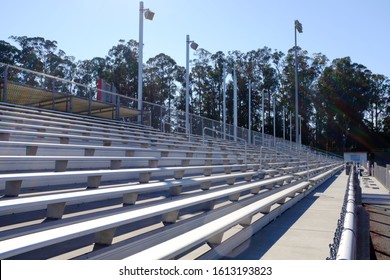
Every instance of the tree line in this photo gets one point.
(343, 105)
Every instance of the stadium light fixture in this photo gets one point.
(297, 27)
(193, 46)
(148, 15)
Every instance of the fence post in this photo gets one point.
(71, 103)
(118, 107)
(89, 102)
(53, 99)
(5, 84)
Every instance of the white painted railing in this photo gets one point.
(344, 241)
(347, 246)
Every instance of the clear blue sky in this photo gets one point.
(89, 28)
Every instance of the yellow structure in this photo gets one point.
(36, 97)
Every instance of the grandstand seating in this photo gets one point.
(80, 187)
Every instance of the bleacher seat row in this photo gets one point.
(78, 187)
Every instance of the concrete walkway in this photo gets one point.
(303, 232)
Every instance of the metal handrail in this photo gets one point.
(64, 80)
(164, 122)
(212, 130)
(261, 149)
(217, 131)
(347, 247)
(344, 241)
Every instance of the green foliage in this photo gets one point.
(344, 106)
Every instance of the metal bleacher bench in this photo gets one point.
(219, 243)
(212, 231)
(45, 114)
(65, 135)
(89, 150)
(57, 123)
(55, 203)
(104, 227)
(13, 182)
(88, 130)
(65, 138)
(61, 163)
(69, 181)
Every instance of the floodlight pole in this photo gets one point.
(224, 99)
(250, 114)
(235, 103)
(187, 83)
(274, 124)
(290, 131)
(300, 131)
(284, 124)
(194, 46)
(262, 116)
(297, 27)
(140, 57)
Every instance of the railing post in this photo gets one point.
(5, 84)
(246, 156)
(118, 107)
(89, 103)
(53, 99)
(261, 156)
(162, 118)
(71, 104)
(307, 165)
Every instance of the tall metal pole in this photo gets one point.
(290, 131)
(224, 100)
(300, 130)
(296, 89)
(5, 88)
(262, 116)
(297, 27)
(140, 58)
(274, 121)
(187, 83)
(284, 124)
(250, 114)
(235, 104)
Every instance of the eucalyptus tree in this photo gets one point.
(43, 55)
(344, 89)
(378, 102)
(310, 69)
(88, 72)
(160, 80)
(122, 66)
(202, 87)
(8, 53)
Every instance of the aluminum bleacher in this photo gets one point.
(80, 187)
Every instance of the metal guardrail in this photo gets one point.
(172, 124)
(219, 132)
(344, 241)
